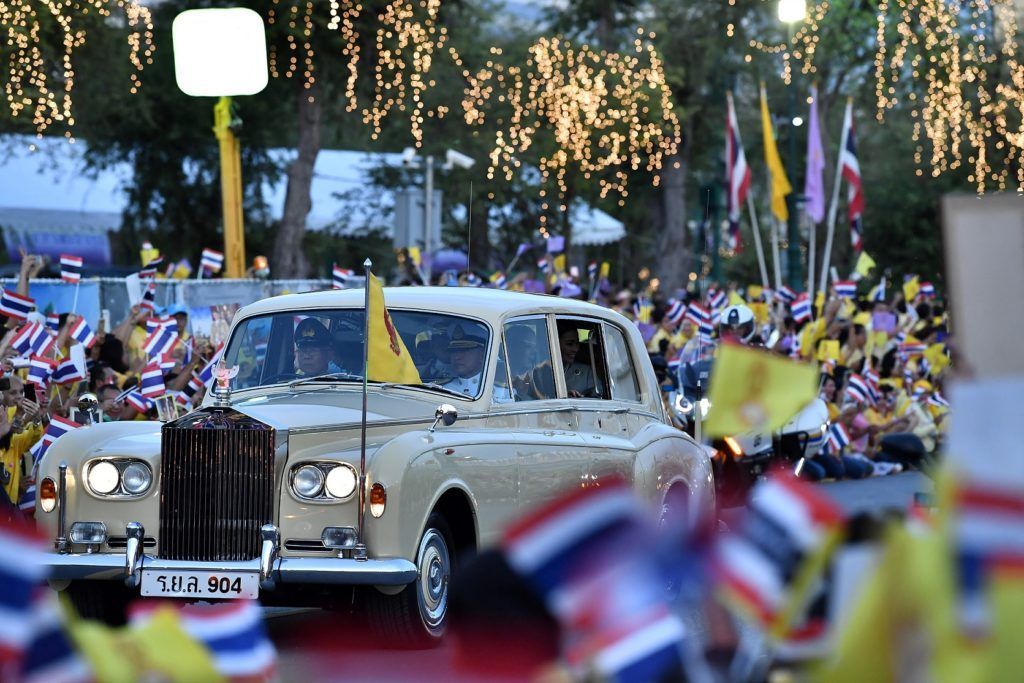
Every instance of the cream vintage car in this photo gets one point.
(255, 494)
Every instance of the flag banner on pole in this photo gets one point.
(543, 264)
(16, 306)
(340, 277)
(211, 261)
(53, 323)
(71, 268)
(388, 359)
(814, 181)
(838, 438)
(864, 264)
(592, 268)
(22, 557)
(717, 300)
(801, 308)
(33, 339)
(556, 244)
(785, 295)
(68, 372)
(737, 174)
(152, 384)
(148, 272)
(154, 324)
(149, 297)
(160, 342)
(847, 289)
(675, 312)
(779, 182)
(140, 403)
(850, 169)
(927, 290)
(499, 280)
(83, 334)
(40, 369)
(860, 390)
(756, 391)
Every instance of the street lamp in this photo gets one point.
(453, 159)
(223, 53)
(792, 12)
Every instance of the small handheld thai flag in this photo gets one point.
(785, 295)
(33, 339)
(846, 289)
(161, 341)
(340, 277)
(859, 389)
(192, 388)
(53, 323)
(676, 311)
(16, 306)
(801, 308)
(50, 655)
(58, 427)
(149, 271)
(499, 281)
(68, 372)
(878, 293)
(141, 404)
(717, 299)
(154, 324)
(912, 349)
(211, 261)
(233, 632)
(838, 438)
(82, 333)
(40, 369)
(149, 297)
(927, 290)
(152, 381)
(70, 268)
(22, 557)
(696, 313)
(543, 264)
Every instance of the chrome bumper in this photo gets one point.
(272, 568)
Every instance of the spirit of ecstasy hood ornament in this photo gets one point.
(222, 387)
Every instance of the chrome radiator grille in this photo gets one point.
(217, 487)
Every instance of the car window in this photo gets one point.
(582, 358)
(447, 350)
(501, 392)
(621, 374)
(529, 360)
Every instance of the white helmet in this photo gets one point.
(737, 322)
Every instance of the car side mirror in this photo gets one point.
(445, 413)
(89, 406)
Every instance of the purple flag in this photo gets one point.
(556, 244)
(814, 183)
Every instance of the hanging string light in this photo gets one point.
(33, 85)
(608, 113)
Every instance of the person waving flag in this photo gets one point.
(849, 167)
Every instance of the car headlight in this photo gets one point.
(341, 481)
(136, 478)
(103, 477)
(308, 481)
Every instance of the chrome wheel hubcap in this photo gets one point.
(435, 573)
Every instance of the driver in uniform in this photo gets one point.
(466, 352)
(314, 349)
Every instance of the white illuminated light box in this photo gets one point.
(220, 52)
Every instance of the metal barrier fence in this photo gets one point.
(96, 294)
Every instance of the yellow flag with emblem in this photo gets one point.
(754, 390)
(387, 358)
(864, 264)
(780, 183)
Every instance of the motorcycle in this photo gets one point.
(739, 460)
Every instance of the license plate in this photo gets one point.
(200, 584)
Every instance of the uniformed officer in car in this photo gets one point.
(314, 349)
(467, 351)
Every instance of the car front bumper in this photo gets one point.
(272, 568)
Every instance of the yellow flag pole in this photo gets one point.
(230, 189)
(360, 549)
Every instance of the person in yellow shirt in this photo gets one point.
(19, 430)
(686, 331)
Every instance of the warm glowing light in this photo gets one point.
(792, 11)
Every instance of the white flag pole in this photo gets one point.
(757, 241)
(810, 258)
(360, 550)
(833, 209)
(775, 254)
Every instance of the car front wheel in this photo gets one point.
(417, 616)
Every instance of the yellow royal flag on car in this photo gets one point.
(387, 358)
(753, 390)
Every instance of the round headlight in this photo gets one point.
(103, 477)
(341, 481)
(308, 481)
(136, 478)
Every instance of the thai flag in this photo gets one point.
(801, 308)
(912, 349)
(82, 333)
(71, 268)
(40, 369)
(927, 290)
(141, 404)
(50, 655)
(649, 648)
(850, 170)
(340, 276)
(937, 400)
(838, 438)
(785, 295)
(211, 261)
(233, 632)
(542, 264)
(53, 323)
(787, 526)
(67, 372)
(676, 311)
(154, 324)
(58, 427)
(161, 341)
(737, 175)
(696, 313)
(33, 339)
(22, 569)
(847, 289)
(499, 281)
(858, 389)
(878, 293)
(717, 299)
(16, 306)
(149, 270)
(152, 384)
(149, 297)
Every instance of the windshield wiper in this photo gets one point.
(329, 377)
(425, 385)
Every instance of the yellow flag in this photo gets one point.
(559, 263)
(828, 349)
(606, 269)
(735, 299)
(864, 264)
(910, 289)
(753, 390)
(414, 254)
(754, 292)
(148, 253)
(388, 359)
(780, 183)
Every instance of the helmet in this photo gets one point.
(736, 322)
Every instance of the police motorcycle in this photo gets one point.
(739, 460)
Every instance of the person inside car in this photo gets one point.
(466, 352)
(314, 352)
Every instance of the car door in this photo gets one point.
(551, 455)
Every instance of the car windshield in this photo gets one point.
(448, 351)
